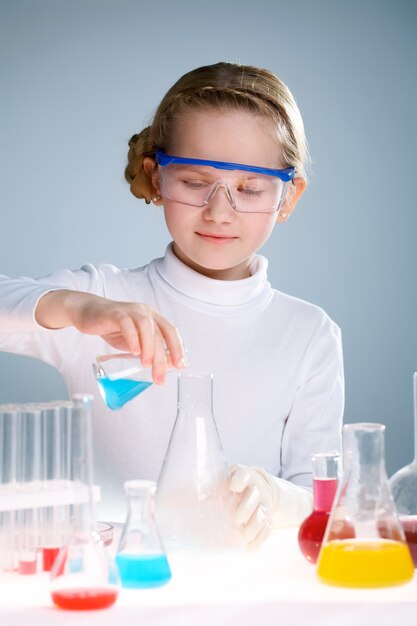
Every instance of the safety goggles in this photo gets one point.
(248, 188)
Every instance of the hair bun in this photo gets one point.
(139, 148)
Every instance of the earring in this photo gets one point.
(156, 198)
(283, 214)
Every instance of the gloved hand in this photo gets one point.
(265, 502)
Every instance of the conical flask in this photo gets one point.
(121, 378)
(193, 502)
(404, 489)
(325, 477)
(83, 577)
(141, 557)
(364, 543)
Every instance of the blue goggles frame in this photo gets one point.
(285, 175)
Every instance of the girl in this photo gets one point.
(225, 158)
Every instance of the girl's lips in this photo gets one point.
(212, 238)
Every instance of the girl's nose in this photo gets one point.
(220, 204)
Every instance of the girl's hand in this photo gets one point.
(127, 326)
(265, 502)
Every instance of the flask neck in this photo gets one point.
(140, 497)
(325, 479)
(324, 491)
(364, 453)
(195, 395)
(139, 506)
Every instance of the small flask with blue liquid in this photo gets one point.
(120, 378)
(141, 557)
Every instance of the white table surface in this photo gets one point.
(275, 586)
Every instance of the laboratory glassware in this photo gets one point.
(325, 479)
(120, 378)
(52, 528)
(141, 557)
(193, 504)
(83, 577)
(404, 489)
(364, 543)
(105, 530)
(9, 446)
(29, 475)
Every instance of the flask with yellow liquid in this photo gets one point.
(364, 544)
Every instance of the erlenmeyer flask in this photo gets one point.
(404, 489)
(120, 378)
(364, 543)
(193, 503)
(140, 556)
(325, 476)
(83, 577)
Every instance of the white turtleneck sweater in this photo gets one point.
(276, 361)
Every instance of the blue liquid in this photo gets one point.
(143, 571)
(117, 392)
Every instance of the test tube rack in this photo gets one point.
(40, 486)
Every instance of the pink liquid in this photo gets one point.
(27, 567)
(409, 523)
(84, 599)
(311, 532)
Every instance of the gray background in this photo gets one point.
(78, 78)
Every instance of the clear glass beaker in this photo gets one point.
(83, 577)
(404, 489)
(141, 557)
(193, 503)
(364, 543)
(325, 479)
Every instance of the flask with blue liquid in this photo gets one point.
(120, 378)
(141, 557)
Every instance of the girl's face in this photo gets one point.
(216, 240)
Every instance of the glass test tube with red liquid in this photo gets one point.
(325, 481)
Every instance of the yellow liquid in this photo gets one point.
(365, 563)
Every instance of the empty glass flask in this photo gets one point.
(404, 489)
(193, 503)
(364, 543)
(141, 557)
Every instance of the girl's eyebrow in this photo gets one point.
(199, 169)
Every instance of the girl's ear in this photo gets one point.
(295, 190)
(151, 170)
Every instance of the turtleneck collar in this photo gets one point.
(204, 293)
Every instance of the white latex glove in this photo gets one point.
(265, 502)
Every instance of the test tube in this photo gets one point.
(9, 417)
(50, 516)
(29, 475)
(66, 465)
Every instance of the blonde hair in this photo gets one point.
(222, 85)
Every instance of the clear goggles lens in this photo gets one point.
(249, 189)
(196, 185)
